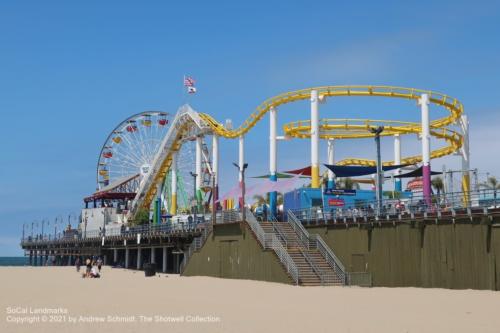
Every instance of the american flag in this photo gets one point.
(189, 81)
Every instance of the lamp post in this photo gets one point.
(214, 200)
(195, 207)
(55, 228)
(242, 171)
(43, 223)
(60, 222)
(376, 131)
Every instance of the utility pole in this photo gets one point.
(376, 131)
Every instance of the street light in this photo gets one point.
(376, 131)
(43, 223)
(59, 222)
(214, 203)
(195, 208)
(242, 170)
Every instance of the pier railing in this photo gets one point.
(147, 229)
(228, 216)
(457, 204)
(270, 241)
(316, 242)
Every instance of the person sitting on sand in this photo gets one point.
(89, 267)
(94, 273)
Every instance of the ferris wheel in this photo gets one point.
(130, 148)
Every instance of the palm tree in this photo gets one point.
(142, 217)
(347, 183)
(437, 183)
(492, 184)
(279, 199)
(260, 199)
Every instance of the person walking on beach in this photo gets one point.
(78, 264)
(99, 264)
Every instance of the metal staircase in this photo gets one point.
(314, 269)
(307, 262)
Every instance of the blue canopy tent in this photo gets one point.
(354, 171)
(416, 173)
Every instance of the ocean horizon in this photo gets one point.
(14, 261)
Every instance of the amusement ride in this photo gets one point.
(160, 163)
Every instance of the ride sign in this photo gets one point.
(336, 202)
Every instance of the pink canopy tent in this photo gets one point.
(282, 185)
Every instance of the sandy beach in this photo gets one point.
(57, 299)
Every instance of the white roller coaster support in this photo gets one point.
(464, 124)
(241, 162)
(241, 156)
(397, 161)
(272, 141)
(314, 140)
(273, 117)
(426, 148)
(215, 164)
(331, 161)
(198, 162)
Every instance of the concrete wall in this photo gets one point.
(233, 252)
(457, 256)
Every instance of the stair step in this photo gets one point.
(308, 275)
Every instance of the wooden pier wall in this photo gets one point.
(464, 255)
(233, 252)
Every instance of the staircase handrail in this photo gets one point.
(270, 241)
(318, 243)
(282, 236)
(299, 229)
(331, 258)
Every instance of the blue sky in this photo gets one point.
(69, 72)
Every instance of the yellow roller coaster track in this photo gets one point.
(449, 103)
(452, 105)
(358, 129)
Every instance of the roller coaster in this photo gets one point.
(156, 172)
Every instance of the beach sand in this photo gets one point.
(224, 305)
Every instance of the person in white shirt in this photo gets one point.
(94, 272)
